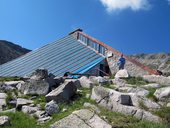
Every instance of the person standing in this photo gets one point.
(121, 62)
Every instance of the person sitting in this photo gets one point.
(121, 62)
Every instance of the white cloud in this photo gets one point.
(169, 2)
(114, 5)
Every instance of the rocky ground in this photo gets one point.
(44, 101)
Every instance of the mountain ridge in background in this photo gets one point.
(158, 61)
(10, 51)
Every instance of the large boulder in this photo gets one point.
(5, 88)
(51, 108)
(81, 119)
(133, 111)
(119, 82)
(53, 83)
(63, 93)
(85, 82)
(75, 81)
(3, 97)
(138, 100)
(99, 80)
(38, 87)
(162, 93)
(157, 79)
(13, 83)
(39, 74)
(99, 93)
(4, 121)
(121, 102)
(138, 91)
(9, 86)
(122, 74)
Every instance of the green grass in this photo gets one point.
(112, 76)
(152, 91)
(119, 120)
(151, 94)
(10, 97)
(40, 100)
(20, 120)
(142, 105)
(138, 81)
(3, 79)
(164, 113)
(146, 124)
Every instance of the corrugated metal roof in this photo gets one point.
(66, 54)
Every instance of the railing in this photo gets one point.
(102, 71)
(101, 47)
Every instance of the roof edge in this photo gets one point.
(77, 30)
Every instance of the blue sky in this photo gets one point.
(130, 26)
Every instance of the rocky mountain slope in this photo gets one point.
(45, 101)
(160, 61)
(10, 51)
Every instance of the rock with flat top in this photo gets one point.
(138, 91)
(162, 93)
(36, 87)
(81, 119)
(157, 79)
(86, 83)
(63, 93)
(122, 74)
(119, 82)
(13, 83)
(122, 102)
(21, 102)
(29, 110)
(98, 80)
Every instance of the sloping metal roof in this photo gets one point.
(65, 55)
